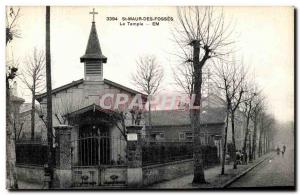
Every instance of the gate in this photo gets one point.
(99, 160)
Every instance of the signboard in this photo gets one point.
(132, 137)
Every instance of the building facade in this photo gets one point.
(99, 125)
(175, 125)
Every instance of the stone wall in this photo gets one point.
(85, 176)
(114, 176)
(94, 176)
(30, 174)
(167, 171)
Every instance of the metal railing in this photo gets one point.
(98, 150)
(31, 152)
(164, 151)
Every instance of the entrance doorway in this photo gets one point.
(93, 145)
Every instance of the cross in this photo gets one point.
(93, 12)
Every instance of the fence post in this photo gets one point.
(134, 154)
(63, 172)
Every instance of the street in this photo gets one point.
(277, 171)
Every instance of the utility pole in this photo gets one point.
(49, 167)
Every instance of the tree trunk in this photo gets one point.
(233, 141)
(254, 139)
(32, 114)
(265, 143)
(260, 144)
(268, 143)
(199, 177)
(250, 149)
(11, 173)
(49, 171)
(225, 144)
(246, 135)
(149, 115)
(261, 137)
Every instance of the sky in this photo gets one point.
(264, 39)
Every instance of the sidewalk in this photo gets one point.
(212, 176)
(23, 185)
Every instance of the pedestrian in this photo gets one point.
(278, 150)
(242, 158)
(245, 157)
(227, 158)
(284, 148)
(238, 157)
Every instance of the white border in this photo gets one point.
(3, 3)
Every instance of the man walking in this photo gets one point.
(283, 150)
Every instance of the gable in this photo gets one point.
(75, 84)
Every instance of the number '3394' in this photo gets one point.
(111, 18)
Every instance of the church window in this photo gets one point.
(186, 136)
(182, 136)
(189, 136)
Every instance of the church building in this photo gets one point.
(98, 134)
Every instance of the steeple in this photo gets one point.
(93, 58)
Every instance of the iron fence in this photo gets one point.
(98, 150)
(163, 151)
(31, 152)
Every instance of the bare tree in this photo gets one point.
(148, 78)
(230, 80)
(269, 126)
(246, 108)
(255, 114)
(183, 78)
(201, 35)
(238, 90)
(266, 125)
(12, 16)
(33, 76)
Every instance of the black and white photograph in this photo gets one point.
(172, 97)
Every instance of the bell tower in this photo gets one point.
(93, 58)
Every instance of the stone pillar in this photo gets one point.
(134, 157)
(63, 155)
(75, 145)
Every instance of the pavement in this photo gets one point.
(275, 172)
(23, 185)
(213, 177)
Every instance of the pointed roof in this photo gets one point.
(92, 107)
(93, 50)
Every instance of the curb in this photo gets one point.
(243, 173)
